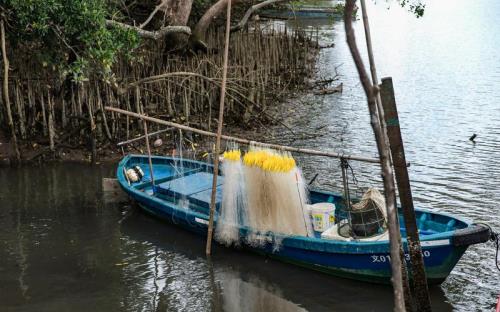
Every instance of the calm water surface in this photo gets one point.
(63, 249)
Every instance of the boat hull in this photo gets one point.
(366, 261)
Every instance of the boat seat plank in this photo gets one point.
(204, 198)
(188, 185)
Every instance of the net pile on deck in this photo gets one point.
(265, 192)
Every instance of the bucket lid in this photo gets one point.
(322, 207)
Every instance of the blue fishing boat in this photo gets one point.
(302, 13)
(181, 195)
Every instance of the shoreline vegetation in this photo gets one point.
(58, 119)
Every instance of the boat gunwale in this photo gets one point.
(294, 241)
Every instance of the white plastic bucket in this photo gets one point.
(323, 216)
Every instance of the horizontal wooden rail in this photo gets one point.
(244, 141)
(143, 136)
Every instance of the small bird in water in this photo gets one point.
(473, 137)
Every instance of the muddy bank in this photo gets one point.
(63, 120)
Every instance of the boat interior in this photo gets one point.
(187, 184)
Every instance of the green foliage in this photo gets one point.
(414, 6)
(69, 36)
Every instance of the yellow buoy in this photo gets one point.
(233, 155)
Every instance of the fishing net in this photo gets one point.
(368, 217)
(276, 196)
(234, 200)
(264, 191)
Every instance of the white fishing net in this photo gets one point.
(234, 201)
(264, 192)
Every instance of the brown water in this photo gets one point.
(63, 249)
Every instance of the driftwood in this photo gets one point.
(244, 141)
(324, 91)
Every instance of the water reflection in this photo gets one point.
(63, 249)
(445, 69)
(236, 280)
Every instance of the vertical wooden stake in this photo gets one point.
(403, 181)
(145, 125)
(208, 249)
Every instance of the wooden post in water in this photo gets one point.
(208, 248)
(403, 181)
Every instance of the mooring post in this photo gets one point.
(403, 182)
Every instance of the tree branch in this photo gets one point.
(252, 10)
(150, 17)
(154, 35)
(383, 149)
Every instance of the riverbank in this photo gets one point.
(66, 122)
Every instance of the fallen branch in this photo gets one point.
(154, 35)
(324, 91)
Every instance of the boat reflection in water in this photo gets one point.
(166, 269)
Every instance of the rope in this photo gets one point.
(494, 237)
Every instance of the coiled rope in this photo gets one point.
(494, 237)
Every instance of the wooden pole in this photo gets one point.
(244, 141)
(385, 160)
(423, 302)
(142, 137)
(208, 249)
(145, 125)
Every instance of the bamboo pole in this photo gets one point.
(208, 249)
(245, 141)
(145, 125)
(142, 137)
(385, 160)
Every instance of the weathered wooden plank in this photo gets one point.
(403, 181)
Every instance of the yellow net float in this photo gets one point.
(233, 155)
(269, 161)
